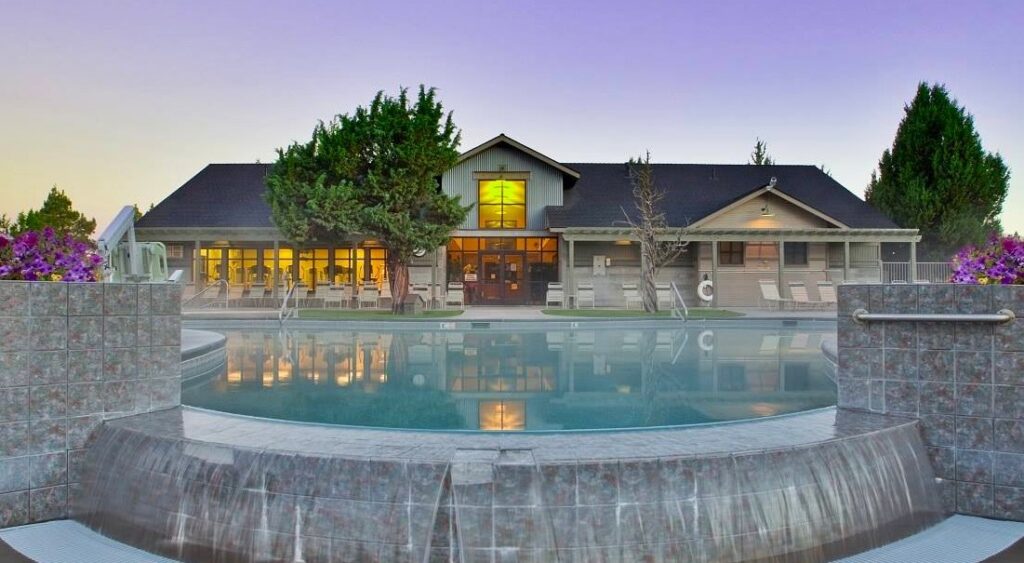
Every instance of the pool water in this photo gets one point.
(522, 380)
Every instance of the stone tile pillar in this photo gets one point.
(964, 382)
(71, 356)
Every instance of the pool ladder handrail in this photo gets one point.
(287, 312)
(221, 284)
(677, 301)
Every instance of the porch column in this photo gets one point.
(197, 267)
(570, 290)
(782, 259)
(913, 262)
(277, 268)
(433, 281)
(330, 264)
(846, 261)
(714, 273)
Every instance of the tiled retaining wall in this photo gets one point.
(71, 356)
(963, 381)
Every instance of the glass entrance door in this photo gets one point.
(502, 279)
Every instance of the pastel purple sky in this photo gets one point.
(122, 102)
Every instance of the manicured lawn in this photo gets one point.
(357, 315)
(623, 313)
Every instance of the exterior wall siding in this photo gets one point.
(748, 216)
(625, 268)
(543, 188)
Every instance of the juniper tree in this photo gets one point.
(936, 177)
(374, 174)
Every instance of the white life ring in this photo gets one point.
(706, 341)
(706, 291)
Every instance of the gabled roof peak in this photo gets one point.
(506, 140)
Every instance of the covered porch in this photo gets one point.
(736, 260)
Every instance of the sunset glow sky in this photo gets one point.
(122, 102)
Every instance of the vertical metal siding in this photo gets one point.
(544, 187)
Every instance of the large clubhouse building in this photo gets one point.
(535, 220)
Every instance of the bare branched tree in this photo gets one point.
(650, 227)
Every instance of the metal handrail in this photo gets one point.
(217, 284)
(676, 312)
(285, 312)
(1002, 316)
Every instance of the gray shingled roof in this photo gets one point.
(231, 195)
(695, 191)
(220, 195)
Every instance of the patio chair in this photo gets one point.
(585, 294)
(770, 296)
(632, 295)
(799, 292)
(555, 295)
(827, 294)
(456, 295)
(256, 295)
(336, 296)
(385, 293)
(235, 294)
(663, 291)
(368, 296)
(423, 290)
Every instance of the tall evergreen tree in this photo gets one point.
(373, 174)
(57, 212)
(760, 156)
(938, 178)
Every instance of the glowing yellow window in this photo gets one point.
(502, 204)
(502, 415)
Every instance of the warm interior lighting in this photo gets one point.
(502, 415)
(502, 204)
(234, 377)
(623, 242)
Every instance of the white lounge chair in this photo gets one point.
(235, 294)
(423, 290)
(799, 292)
(632, 295)
(555, 295)
(336, 296)
(585, 294)
(456, 295)
(368, 296)
(256, 295)
(827, 294)
(770, 296)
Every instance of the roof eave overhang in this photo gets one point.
(741, 234)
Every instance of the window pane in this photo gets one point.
(502, 204)
(796, 253)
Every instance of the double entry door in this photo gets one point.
(502, 279)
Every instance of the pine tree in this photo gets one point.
(936, 177)
(760, 156)
(58, 213)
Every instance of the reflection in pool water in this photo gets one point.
(520, 380)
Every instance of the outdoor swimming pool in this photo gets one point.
(496, 379)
